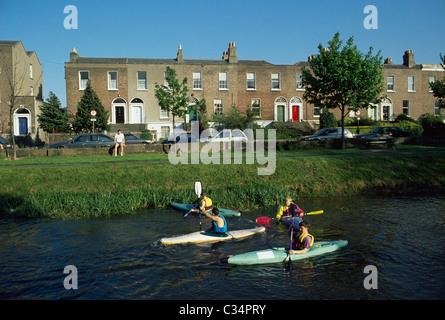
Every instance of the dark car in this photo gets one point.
(132, 139)
(381, 133)
(328, 133)
(3, 143)
(91, 140)
(183, 137)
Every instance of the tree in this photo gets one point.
(51, 118)
(343, 78)
(234, 119)
(438, 87)
(90, 101)
(173, 96)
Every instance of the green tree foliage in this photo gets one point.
(343, 78)
(327, 119)
(52, 119)
(234, 119)
(438, 87)
(90, 101)
(173, 97)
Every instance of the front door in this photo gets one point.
(23, 126)
(119, 113)
(295, 113)
(280, 113)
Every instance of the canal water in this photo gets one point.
(401, 238)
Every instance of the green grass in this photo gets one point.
(93, 186)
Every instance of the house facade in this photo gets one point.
(126, 87)
(21, 89)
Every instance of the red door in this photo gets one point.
(295, 113)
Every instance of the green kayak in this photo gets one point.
(276, 255)
(184, 207)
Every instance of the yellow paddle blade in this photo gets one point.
(315, 212)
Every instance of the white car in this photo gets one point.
(226, 135)
(328, 133)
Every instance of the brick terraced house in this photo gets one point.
(126, 87)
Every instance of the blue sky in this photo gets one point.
(278, 31)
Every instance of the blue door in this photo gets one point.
(23, 126)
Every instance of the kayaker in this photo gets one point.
(205, 203)
(219, 223)
(303, 240)
(291, 209)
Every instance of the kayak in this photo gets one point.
(276, 255)
(200, 236)
(184, 207)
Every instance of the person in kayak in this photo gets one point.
(219, 223)
(303, 240)
(291, 209)
(205, 204)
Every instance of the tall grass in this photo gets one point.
(94, 190)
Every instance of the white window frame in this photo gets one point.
(217, 106)
(141, 83)
(433, 80)
(388, 83)
(411, 84)
(83, 82)
(275, 79)
(407, 107)
(299, 82)
(197, 81)
(111, 82)
(250, 76)
(223, 81)
(258, 107)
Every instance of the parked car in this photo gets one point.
(4, 144)
(227, 136)
(381, 133)
(91, 140)
(132, 139)
(182, 137)
(328, 133)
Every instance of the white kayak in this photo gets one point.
(201, 236)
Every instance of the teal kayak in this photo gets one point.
(184, 207)
(276, 255)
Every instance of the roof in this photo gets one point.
(163, 61)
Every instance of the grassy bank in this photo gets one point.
(65, 187)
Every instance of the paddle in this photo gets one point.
(198, 189)
(266, 220)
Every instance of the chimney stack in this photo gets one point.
(179, 56)
(73, 55)
(388, 61)
(232, 53)
(408, 59)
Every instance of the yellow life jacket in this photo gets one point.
(301, 238)
(207, 203)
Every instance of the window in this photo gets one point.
(431, 80)
(30, 71)
(300, 81)
(411, 83)
(166, 75)
(250, 79)
(390, 84)
(275, 81)
(197, 80)
(256, 107)
(437, 107)
(217, 106)
(223, 85)
(164, 114)
(83, 79)
(165, 131)
(405, 107)
(142, 80)
(112, 80)
(317, 111)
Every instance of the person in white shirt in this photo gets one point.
(119, 141)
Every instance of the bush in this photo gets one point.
(411, 126)
(327, 119)
(432, 124)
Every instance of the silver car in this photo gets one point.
(328, 133)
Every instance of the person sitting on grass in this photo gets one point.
(119, 141)
(219, 223)
(303, 240)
